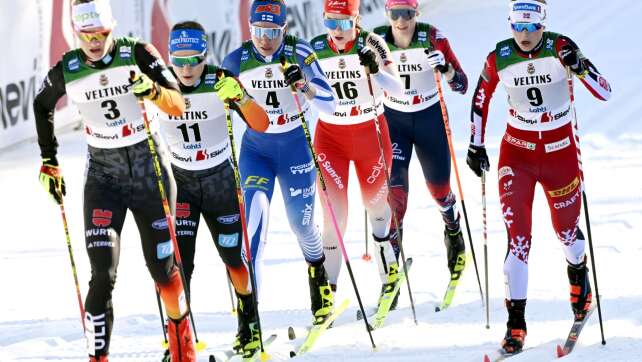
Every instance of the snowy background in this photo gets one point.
(39, 318)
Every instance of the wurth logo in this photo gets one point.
(101, 218)
(183, 210)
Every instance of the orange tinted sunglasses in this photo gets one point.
(89, 36)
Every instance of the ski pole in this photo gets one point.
(366, 256)
(485, 222)
(73, 265)
(324, 189)
(569, 79)
(229, 288)
(168, 214)
(162, 319)
(246, 239)
(444, 113)
(388, 183)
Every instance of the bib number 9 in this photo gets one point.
(535, 96)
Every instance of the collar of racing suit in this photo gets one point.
(104, 62)
(531, 53)
(270, 58)
(348, 46)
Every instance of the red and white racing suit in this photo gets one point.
(539, 145)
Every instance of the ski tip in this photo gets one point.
(486, 358)
(212, 358)
(291, 334)
(292, 354)
(560, 351)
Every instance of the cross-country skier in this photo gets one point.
(348, 134)
(120, 173)
(415, 118)
(282, 152)
(200, 155)
(538, 146)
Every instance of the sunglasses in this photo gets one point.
(529, 27)
(342, 24)
(407, 14)
(270, 33)
(88, 37)
(192, 60)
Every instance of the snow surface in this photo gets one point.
(39, 317)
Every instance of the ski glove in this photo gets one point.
(51, 179)
(437, 61)
(229, 89)
(295, 76)
(143, 87)
(368, 59)
(477, 159)
(571, 59)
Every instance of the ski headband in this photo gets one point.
(187, 39)
(527, 11)
(94, 15)
(412, 3)
(270, 11)
(341, 7)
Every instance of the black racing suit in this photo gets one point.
(117, 179)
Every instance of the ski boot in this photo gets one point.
(516, 326)
(455, 250)
(181, 344)
(581, 295)
(248, 338)
(98, 359)
(321, 298)
(387, 263)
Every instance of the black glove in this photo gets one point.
(477, 159)
(368, 59)
(571, 59)
(294, 76)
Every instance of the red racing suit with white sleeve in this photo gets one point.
(539, 145)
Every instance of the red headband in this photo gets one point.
(342, 7)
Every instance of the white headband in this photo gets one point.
(94, 15)
(527, 11)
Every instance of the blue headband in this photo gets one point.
(269, 11)
(187, 39)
